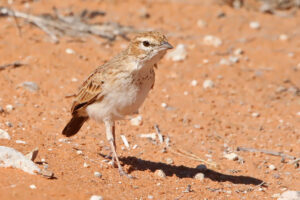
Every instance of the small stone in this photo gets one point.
(169, 161)
(70, 51)
(234, 59)
(96, 197)
(4, 135)
(290, 195)
(164, 105)
(255, 114)
(199, 176)
(137, 121)
(178, 54)
(150, 197)
(33, 154)
(211, 40)
(298, 113)
(85, 165)
(98, 174)
(254, 25)
(9, 124)
(74, 80)
(31, 86)
(160, 173)
(224, 61)
(194, 83)
(144, 13)
(208, 84)
(238, 52)
(9, 107)
(148, 135)
(201, 23)
(1, 110)
(201, 167)
(79, 152)
(283, 37)
(277, 195)
(32, 186)
(231, 156)
(20, 142)
(272, 167)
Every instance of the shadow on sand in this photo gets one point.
(185, 172)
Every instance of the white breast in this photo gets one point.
(125, 96)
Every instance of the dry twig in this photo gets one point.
(58, 25)
(273, 153)
(12, 65)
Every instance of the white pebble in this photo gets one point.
(283, 37)
(135, 146)
(31, 86)
(164, 105)
(137, 121)
(185, 93)
(178, 54)
(96, 197)
(150, 197)
(238, 52)
(255, 114)
(272, 167)
(32, 186)
(211, 40)
(199, 176)
(79, 152)
(298, 113)
(254, 25)
(194, 83)
(86, 165)
(148, 135)
(290, 195)
(20, 142)
(74, 80)
(205, 61)
(9, 107)
(43, 160)
(98, 174)
(70, 51)
(208, 84)
(231, 156)
(169, 161)
(234, 59)
(224, 61)
(201, 23)
(160, 173)
(4, 135)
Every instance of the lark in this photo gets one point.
(119, 87)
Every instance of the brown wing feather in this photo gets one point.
(89, 92)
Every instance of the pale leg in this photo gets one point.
(110, 136)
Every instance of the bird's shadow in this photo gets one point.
(186, 172)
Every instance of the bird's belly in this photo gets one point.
(123, 101)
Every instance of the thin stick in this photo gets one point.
(160, 137)
(192, 157)
(273, 153)
(13, 65)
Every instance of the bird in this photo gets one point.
(118, 88)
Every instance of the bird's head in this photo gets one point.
(149, 46)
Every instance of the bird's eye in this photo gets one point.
(146, 43)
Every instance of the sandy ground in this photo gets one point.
(254, 103)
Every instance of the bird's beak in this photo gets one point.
(166, 45)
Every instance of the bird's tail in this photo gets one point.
(74, 125)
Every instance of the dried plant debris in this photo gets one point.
(73, 25)
(262, 5)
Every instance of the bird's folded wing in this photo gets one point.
(89, 92)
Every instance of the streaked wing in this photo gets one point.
(89, 92)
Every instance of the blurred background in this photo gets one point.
(228, 94)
